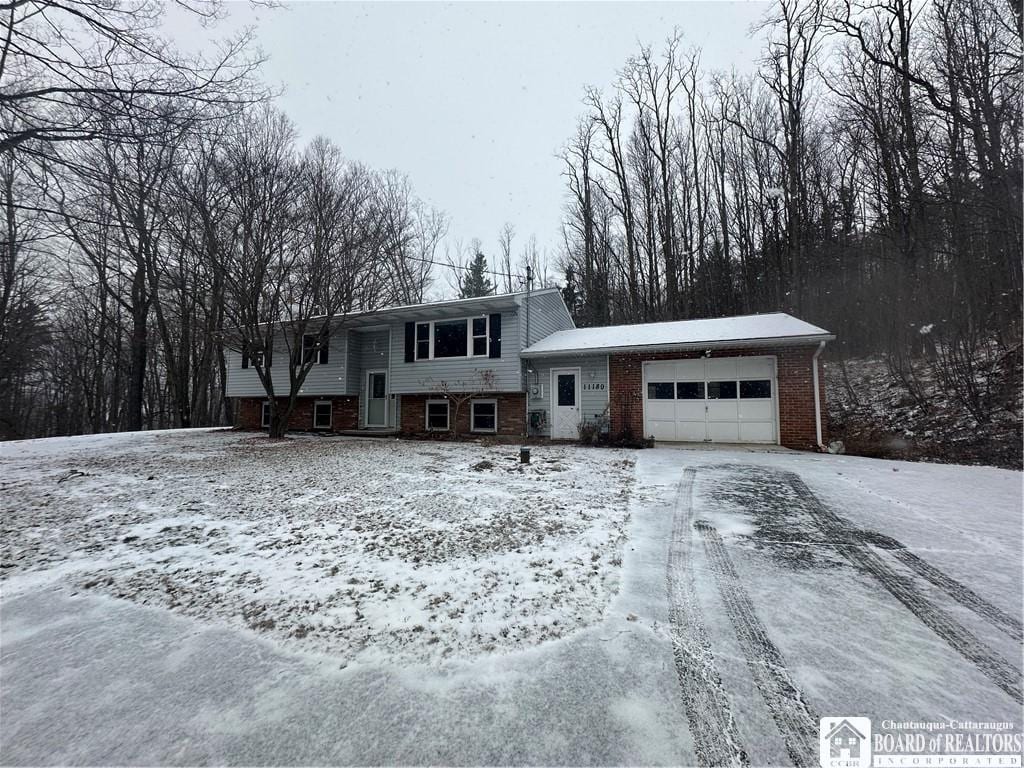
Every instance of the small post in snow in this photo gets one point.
(524, 455)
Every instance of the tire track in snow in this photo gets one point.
(963, 594)
(797, 724)
(958, 637)
(712, 726)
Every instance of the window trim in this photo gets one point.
(330, 414)
(426, 415)
(265, 415)
(472, 415)
(315, 347)
(469, 337)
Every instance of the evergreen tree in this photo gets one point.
(476, 282)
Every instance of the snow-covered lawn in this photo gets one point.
(367, 549)
(757, 592)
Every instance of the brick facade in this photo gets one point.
(511, 413)
(795, 390)
(344, 412)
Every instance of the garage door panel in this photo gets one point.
(689, 410)
(689, 370)
(691, 431)
(724, 431)
(756, 432)
(660, 371)
(723, 410)
(661, 430)
(722, 368)
(756, 368)
(661, 410)
(756, 410)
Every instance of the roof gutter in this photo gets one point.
(763, 342)
(817, 394)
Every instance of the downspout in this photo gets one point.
(817, 395)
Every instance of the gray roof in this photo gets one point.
(746, 330)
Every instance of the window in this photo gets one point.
(322, 414)
(690, 390)
(437, 416)
(466, 337)
(483, 416)
(265, 414)
(479, 337)
(758, 388)
(313, 348)
(660, 390)
(721, 390)
(450, 339)
(422, 341)
(567, 389)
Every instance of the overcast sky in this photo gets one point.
(472, 100)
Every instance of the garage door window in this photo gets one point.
(660, 391)
(757, 389)
(721, 390)
(690, 390)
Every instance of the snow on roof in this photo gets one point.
(712, 332)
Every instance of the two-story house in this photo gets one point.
(516, 365)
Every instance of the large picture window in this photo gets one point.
(450, 339)
(484, 416)
(437, 416)
(466, 337)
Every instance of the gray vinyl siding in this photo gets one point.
(547, 315)
(593, 370)
(353, 374)
(458, 372)
(322, 379)
(353, 352)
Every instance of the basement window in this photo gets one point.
(322, 414)
(484, 416)
(438, 416)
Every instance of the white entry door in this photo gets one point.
(565, 403)
(377, 399)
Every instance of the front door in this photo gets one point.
(565, 407)
(377, 399)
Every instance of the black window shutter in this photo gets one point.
(495, 335)
(325, 347)
(245, 356)
(410, 342)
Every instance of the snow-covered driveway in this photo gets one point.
(757, 592)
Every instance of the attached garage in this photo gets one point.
(750, 379)
(718, 400)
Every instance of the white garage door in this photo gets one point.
(720, 400)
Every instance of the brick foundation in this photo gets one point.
(344, 412)
(511, 413)
(795, 390)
